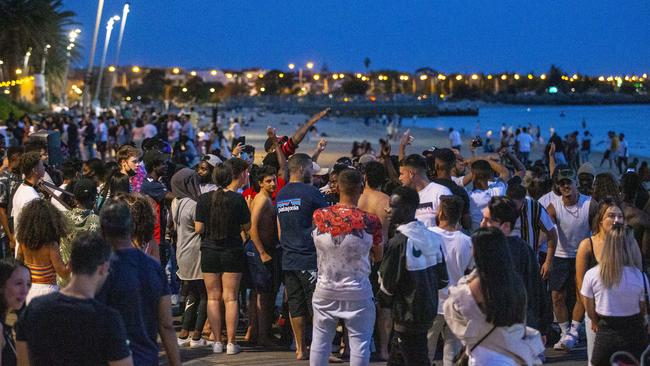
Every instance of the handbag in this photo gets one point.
(462, 358)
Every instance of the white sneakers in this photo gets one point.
(232, 349)
(192, 343)
(566, 342)
(183, 342)
(217, 347)
(200, 343)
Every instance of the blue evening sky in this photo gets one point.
(589, 36)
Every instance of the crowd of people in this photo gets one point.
(486, 257)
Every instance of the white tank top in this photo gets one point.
(572, 226)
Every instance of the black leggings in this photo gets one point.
(196, 305)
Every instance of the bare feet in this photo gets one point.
(301, 355)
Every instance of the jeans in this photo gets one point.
(408, 349)
(359, 318)
(452, 344)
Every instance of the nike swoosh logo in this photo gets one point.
(416, 253)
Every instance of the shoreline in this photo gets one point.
(343, 131)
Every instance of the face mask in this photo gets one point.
(131, 173)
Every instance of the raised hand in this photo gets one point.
(321, 145)
(406, 138)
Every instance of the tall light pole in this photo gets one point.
(72, 37)
(109, 30)
(125, 13)
(26, 60)
(91, 61)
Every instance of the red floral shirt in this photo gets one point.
(340, 220)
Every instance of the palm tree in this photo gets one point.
(35, 24)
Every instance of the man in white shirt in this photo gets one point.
(173, 129)
(454, 139)
(524, 140)
(457, 249)
(413, 174)
(572, 213)
(32, 167)
(485, 188)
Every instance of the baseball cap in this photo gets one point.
(563, 173)
(213, 160)
(429, 151)
(586, 168)
(318, 170)
(366, 158)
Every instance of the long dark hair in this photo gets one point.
(503, 291)
(7, 267)
(222, 177)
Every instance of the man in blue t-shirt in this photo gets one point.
(137, 289)
(296, 203)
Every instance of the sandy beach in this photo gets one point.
(342, 132)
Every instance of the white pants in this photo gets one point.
(359, 318)
(39, 289)
(452, 344)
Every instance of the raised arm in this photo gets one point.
(300, 134)
(388, 164)
(404, 141)
(551, 158)
(520, 168)
(319, 149)
(282, 160)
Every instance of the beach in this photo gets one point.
(341, 132)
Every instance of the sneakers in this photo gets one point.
(183, 342)
(566, 343)
(200, 343)
(232, 349)
(217, 347)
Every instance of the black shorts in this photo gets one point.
(231, 260)
(300, 286)
(563, 274)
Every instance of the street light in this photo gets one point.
(72, 37)
(91, 60)
(125, 13)
(292, 66)
(135, 69)
(109, 30)
(310, 65)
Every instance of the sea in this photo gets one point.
(631, 120)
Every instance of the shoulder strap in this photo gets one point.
(593, 254)
(645, 288)
(482, 339)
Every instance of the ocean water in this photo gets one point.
(632, 120)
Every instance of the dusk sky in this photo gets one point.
(589, 36)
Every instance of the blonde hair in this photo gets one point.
(620, 251)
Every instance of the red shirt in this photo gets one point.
(250, 192)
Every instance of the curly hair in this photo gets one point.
(605, 185)
(143, 216)
(41, 223)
